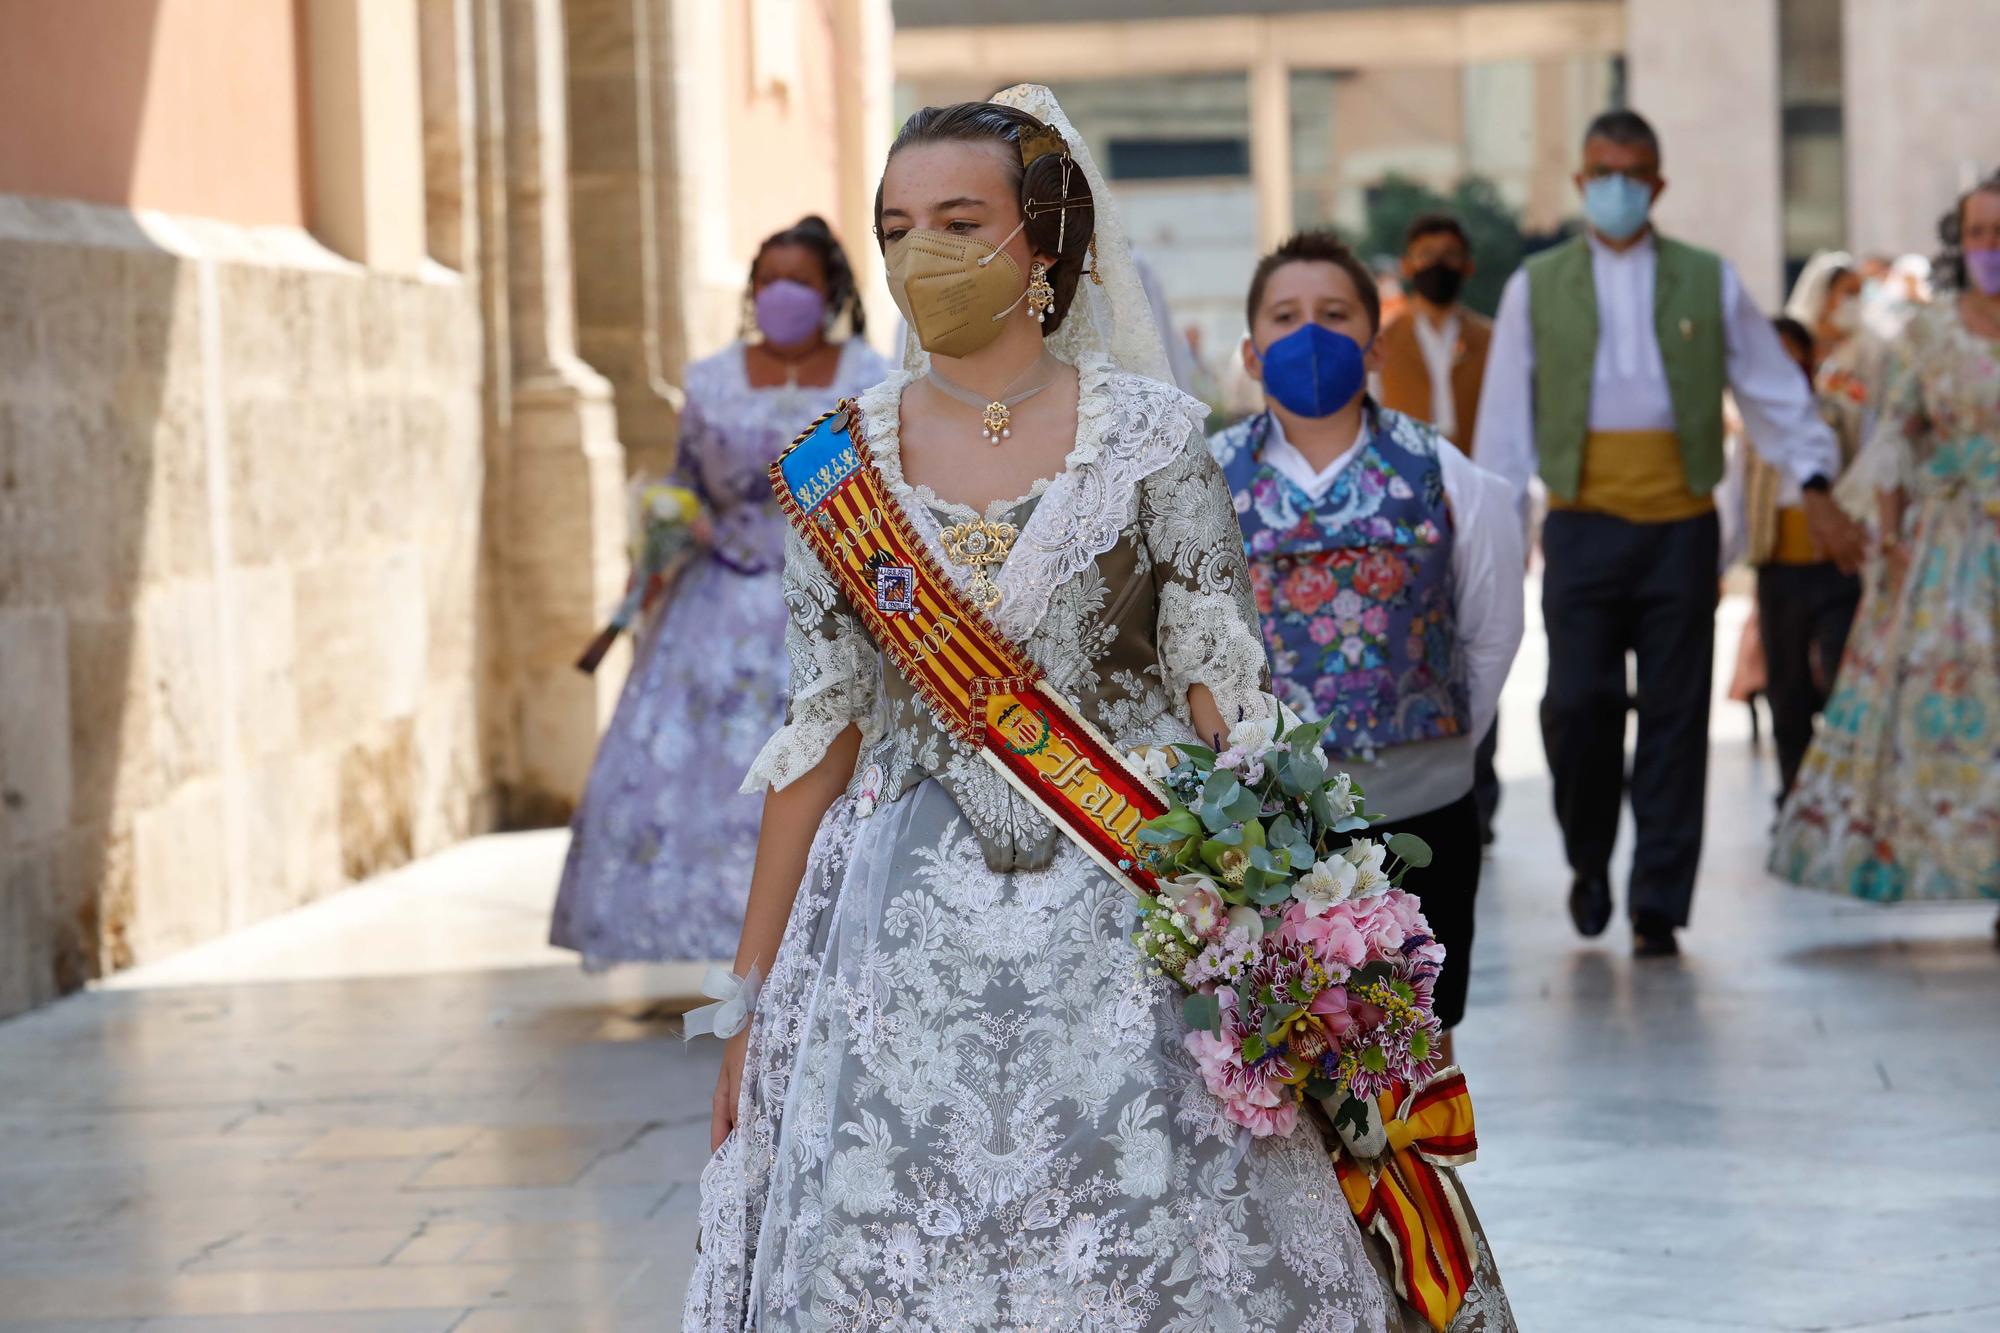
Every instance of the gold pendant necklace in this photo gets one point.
(996, 415)
(977, 544)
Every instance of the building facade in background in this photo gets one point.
(1790, 125)
(329, 334)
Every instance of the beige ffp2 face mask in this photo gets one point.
(955, 291)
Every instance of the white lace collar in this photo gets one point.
(1127, 428)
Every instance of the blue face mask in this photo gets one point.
(1313, 371)
(1616, 206)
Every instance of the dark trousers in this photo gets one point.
(1486, 782)
(1803, 615)
(1649, 589)
(1446, 888)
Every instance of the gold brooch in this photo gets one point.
(979, 545)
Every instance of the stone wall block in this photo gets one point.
(450, 785)
(280, 493)
(86, 919)
(402, 599)
(262, 312)
(265, 697)
(384, 468)
(84, 311)
(336, 651)
(292, 816)
(178, 872)
(27, 973)
(114, 765)
(179, 525)
(382, 312)
(22, 365)
(36, 777)
(377, 793)
(183, 663)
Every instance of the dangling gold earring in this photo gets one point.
(1041, 296)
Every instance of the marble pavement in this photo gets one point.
(395, 1111)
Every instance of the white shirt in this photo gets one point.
(1487, 604)
(1440, 349)
(1628, 385)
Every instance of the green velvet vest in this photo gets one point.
(1687, 316)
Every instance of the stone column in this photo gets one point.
(866, 62)
(1271, 140)
(1705, 73)
(367, 196)
(1921, 102)
(560, 517)
(613, 175)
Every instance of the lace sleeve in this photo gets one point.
(835, 671)
(1207, 622)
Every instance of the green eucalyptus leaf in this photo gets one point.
(1221, 788)
(1411, 848)
(1274, 893)
(1202, 1012)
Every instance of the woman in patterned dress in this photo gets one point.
(1899, 797)
(961, 1104)
(644, 880)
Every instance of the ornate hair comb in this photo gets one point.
(1039, 143)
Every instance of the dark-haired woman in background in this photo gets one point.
(1387, 570)
(662, 845)
(1899, 797)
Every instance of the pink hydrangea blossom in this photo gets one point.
(1250, 1097)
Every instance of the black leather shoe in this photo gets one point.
(1590, 904)
(1654, 938)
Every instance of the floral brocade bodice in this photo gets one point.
(1125, 584)
(1354, 589)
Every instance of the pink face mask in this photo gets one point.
(789, 312)
(1983, 268)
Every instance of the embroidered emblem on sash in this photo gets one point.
(895, 589)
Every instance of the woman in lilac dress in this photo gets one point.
(661, 848)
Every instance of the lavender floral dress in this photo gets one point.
(662, 846)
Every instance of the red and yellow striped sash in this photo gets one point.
(985, 690)
(1416, 1208)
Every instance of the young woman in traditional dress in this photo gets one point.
(1899, 796)
(1387, 571)
(662, 844)
(961, 1103)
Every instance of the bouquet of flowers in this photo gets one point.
(661, 522)
(1310, 970)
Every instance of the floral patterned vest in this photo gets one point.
(1354, 591)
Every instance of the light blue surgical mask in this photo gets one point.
(1616, 206)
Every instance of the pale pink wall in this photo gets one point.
(785, 147)
(191, 106)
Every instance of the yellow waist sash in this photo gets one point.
(1636, 475)
(1794, 544)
